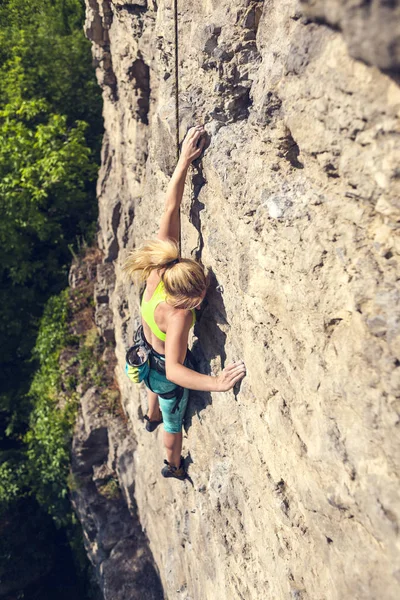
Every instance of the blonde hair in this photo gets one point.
(184, 279)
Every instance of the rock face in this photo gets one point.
(103, 463)
(371, 28)
(102, 470)
(295, 211)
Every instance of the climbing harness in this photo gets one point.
(141, 358)
(137, 358)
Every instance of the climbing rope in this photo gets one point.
(177, 140)
(176, 77)
(177, 102)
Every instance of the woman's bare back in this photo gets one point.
(161, 314)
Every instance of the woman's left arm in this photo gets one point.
(169, 227)
(175, 353)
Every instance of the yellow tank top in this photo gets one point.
(148, 310)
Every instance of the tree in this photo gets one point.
(50, 131)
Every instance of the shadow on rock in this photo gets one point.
(198, 182)
(210, 344)
(188, 462)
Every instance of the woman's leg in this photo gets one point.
(173, 446)
(173, 427)
(154, 412)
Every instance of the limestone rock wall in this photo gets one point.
(295, 210)
(102, 475)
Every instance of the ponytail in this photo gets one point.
(184, 279)
(153, 254)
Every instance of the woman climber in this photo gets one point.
(174, 288)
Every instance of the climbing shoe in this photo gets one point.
(151, 425)
(171, 471)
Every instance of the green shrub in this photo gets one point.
(110, 490)
(50, 135)
(42, 467)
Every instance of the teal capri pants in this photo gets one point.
(173, 409)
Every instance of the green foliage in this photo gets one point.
(89, 361)
(50, 132)
(48, 442)
(43, 467)
(50, 136)
(44, 169)
(53, 332)
(13, 476)
(110, 489)
(49, 434)
(44, 54)
(39, 471)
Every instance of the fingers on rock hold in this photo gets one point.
(194, 130)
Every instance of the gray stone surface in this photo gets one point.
(295, 211)
(371, 28)
(102, 450)
(102, 469)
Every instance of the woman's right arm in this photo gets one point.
(175, 352)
